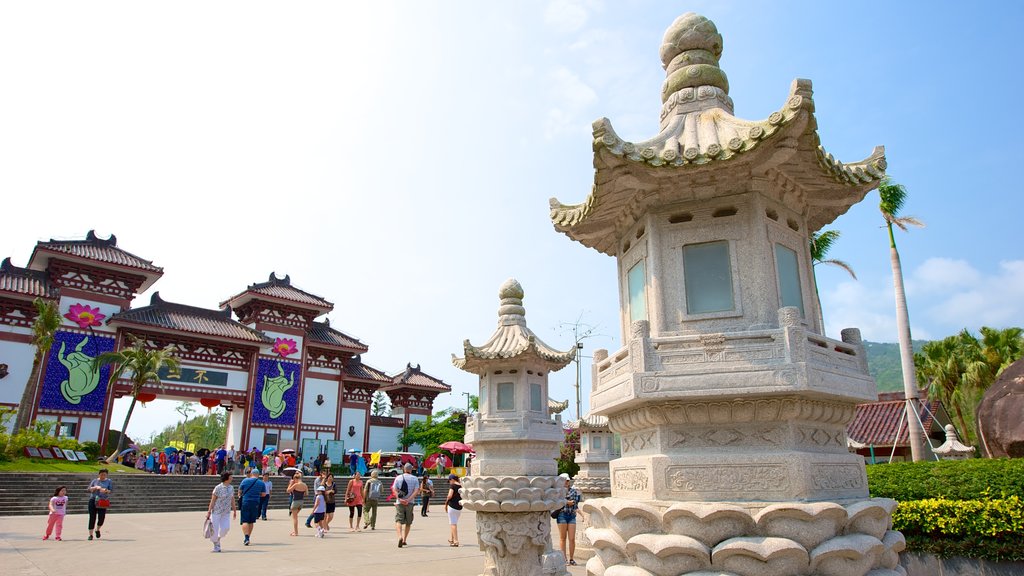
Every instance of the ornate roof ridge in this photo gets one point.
(94, 241)
(26, 281)
(589, 421)
(354, 343)
(142, 315)
(414, 377)
(282, 288)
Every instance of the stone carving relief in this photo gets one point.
(638, 441)
(634, 479)
(839, 477)
(765, 410)
(722, 437)
(727, 478)
(517, 544)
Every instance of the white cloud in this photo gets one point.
(940, 275)
(570, 97)
(568, 15)
(995, 300)
(948, 295)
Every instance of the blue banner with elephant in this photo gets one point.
(70, 382)
(276, 395)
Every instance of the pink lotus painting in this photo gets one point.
(285, 347)
(85, 316)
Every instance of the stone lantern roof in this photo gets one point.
(702, 145)
(952, 449)
(512, 340)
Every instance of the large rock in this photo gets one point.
(999, 415)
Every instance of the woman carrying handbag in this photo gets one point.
(354, 501)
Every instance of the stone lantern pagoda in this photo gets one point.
(513, 483)
(730, 402)
(952, 448)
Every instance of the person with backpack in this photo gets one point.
(405, 489)
(371, 496)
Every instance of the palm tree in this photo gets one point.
(144, 366)
(821, 243)
(941, 365)
(44, 327)
(893, 196)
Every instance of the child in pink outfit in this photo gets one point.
(58, 506)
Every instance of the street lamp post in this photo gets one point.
(579, 352)
(467, 395)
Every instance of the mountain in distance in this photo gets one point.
(884, 363)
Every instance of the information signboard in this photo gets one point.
(336, 451)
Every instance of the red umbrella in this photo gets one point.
(431, 461)
(456, 447)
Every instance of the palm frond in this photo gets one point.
(821, 243)
(892, 198)
(840, 264)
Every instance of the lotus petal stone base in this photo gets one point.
(781, 539)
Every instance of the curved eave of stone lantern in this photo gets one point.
(785, 147)
(511, 343)
(590, 422)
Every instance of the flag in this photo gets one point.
(375, 458)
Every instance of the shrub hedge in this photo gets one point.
(989, 529)
(978, 478)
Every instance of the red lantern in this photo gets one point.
(210, 403)
(145, 397)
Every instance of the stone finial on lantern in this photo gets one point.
(952, 449)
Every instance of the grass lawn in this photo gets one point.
(41, 465)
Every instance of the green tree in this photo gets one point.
(446, 425)
(142, 364)
(959, 369)
(821, 244)
(892, 198)
(380, 406)
(44, 327)
(186, 410)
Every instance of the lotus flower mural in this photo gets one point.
(85, 316)
(285, 347)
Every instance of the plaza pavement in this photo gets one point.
(171, 543)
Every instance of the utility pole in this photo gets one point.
(579, 353)
(467, 395)
(580, 332)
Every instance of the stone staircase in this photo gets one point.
(27, 493)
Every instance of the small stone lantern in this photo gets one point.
(513, 484)
(597, 448)
(952, 449)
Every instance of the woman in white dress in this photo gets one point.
(222, 509)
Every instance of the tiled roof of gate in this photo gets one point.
(356, 369)
(415, 378)
(171, 316)
(26, 282)
(322, 333)
(876, 423)
(98, 249)
(282, 288)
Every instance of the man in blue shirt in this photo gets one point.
(222, 454)
(353, 462)
(249, 493)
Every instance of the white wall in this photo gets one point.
(255, 438)
(107, 310)
(353, 417)
(89, 430)
(383, 438)
(18, 358)
(236, 418)
(326, 414)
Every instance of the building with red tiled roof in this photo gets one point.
(879, 429)
(285, 376)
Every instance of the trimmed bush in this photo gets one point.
(979, 478)
(988, 529)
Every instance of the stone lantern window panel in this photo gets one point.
(787, 266)
(708, 279)
(506, 401)
(636, 281)
(536, 397)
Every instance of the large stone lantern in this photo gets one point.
(730, 402)
(513, 482)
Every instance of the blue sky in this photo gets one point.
(397, 158)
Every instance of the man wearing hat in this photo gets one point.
(250, 491)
